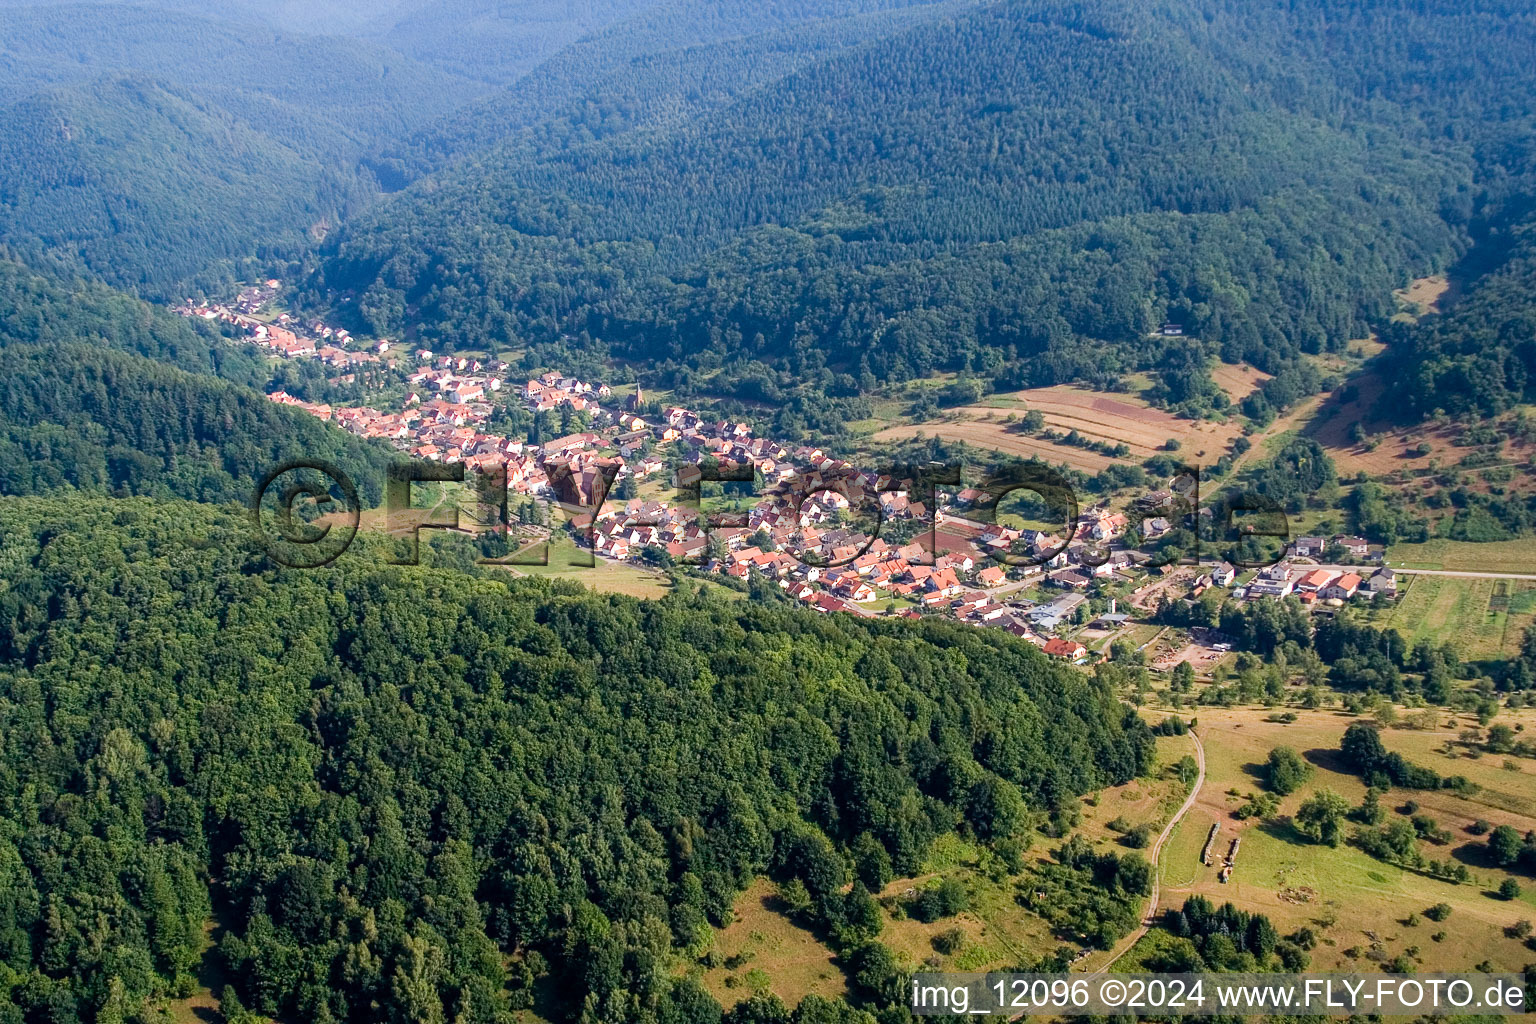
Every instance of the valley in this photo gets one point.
(779, 497)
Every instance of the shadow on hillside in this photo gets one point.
(1256, 770)
(1283, 829)
(1474, 855)
(1328, 759)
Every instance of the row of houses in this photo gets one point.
(1311, 585)
(796, 535)
(807, 493)
(451, 399)
(791, 534)
(1351, 546)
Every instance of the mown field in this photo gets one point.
(1099, 416)
(1481, 618)
(1423, 296)
(567, 561)
(1179, 866)
(1238, 381)
(763, 950)
(1507, 556)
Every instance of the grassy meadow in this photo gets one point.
(1481, 618)
(1360, 906)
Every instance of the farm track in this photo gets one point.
(1129, 942)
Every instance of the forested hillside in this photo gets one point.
(91, 398)
(162, 150)
(150, 148)
(660, 66)
(334, 16)
(48, 312)
(146, 186)
(495, 40)
(492, 41)
(380, 794)
(413, 795)
(326, 92)
(1002, 189)
(1478, 358)
(73, 416)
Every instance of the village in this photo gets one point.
(807, 526)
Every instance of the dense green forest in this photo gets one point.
(49, 311)
(1225, 939)
(104, 393)
(406, 795)
(146, 186)
(339, 17)
(322, 91)
(492, 40)
(660, 66)
(497, 41)
(416, 795)
(164, 151)
(1001, 189)
(75, 416)
(1478, 358)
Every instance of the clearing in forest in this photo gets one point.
(1111, 418)
(1238, 381)
(763, 950)
(1423, 296)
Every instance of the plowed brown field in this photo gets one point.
(1238, 381)
(1116, 419)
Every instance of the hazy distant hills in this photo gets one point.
(153, 144)
(1026, 187)
(337, 17)
(497, 40)
(992, 121)
(148, 146)
(804, 193)
(663, 66)
(356, 86)
(493, 41)
(145, 184)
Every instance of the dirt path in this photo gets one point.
(1124, 945)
